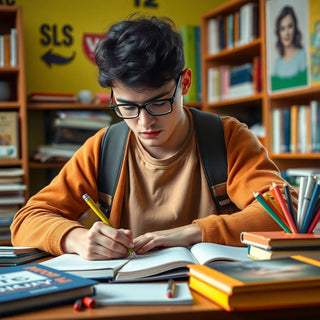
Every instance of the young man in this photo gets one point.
(162, 198)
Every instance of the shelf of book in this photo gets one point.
(14, 150)
(232, 66)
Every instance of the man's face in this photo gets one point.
(158, 134)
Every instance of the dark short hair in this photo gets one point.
(140, 52)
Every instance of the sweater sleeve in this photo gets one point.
(249, 169)
(55, 210)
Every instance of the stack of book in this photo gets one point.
(265, 245)
(11, 197)
(70, 130)
(54, 97)
(12, 256)
(266, 284)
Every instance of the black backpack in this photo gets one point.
(210, 136)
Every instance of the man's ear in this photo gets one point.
(186, 81)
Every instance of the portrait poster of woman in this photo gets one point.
(287, 44)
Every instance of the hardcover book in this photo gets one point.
(265, 254)
(280, 239)
(33, 286)
(249, 285)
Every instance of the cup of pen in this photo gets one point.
(280, 206)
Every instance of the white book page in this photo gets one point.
(209, 252)
(155, 262)
(73, 262)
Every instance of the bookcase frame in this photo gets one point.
(264, 102)
(11, 17)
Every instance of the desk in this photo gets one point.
(201, 309)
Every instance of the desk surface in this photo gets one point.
(201, 309)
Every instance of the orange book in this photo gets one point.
(294, 129)
(308, 127)
(7, 50)
(280, 239)
(264, 299)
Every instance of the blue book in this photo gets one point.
(32, 286)
(241, 74)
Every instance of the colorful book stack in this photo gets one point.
(266, 245)
(249, 285)
(282, 210)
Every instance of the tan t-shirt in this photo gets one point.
(164, 193)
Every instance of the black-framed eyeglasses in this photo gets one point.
(159, 107)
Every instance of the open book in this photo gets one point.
(155, 265)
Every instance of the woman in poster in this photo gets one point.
(290, 68)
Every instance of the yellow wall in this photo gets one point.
(63, 24)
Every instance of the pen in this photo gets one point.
(170, 288)
(311, 181)
(100, 214)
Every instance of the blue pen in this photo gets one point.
(311, 208)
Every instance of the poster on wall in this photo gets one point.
(287, 25)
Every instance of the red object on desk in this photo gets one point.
(89, 302)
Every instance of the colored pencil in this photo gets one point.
(274, 206)
(314, 222)
(278, 197)
(263, 202)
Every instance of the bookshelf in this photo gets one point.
(259, 104)
(229, 50)
(41, 115)
(12, 73)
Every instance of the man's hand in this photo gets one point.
(182, 236)
(98, 243)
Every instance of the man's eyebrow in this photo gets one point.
(161, 95)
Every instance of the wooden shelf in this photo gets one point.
(71, 106)
(46, 165)
(237, 101)
(240, 53)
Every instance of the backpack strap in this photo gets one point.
(111, 157)
(213, 154)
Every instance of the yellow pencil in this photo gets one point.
(100, 214)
